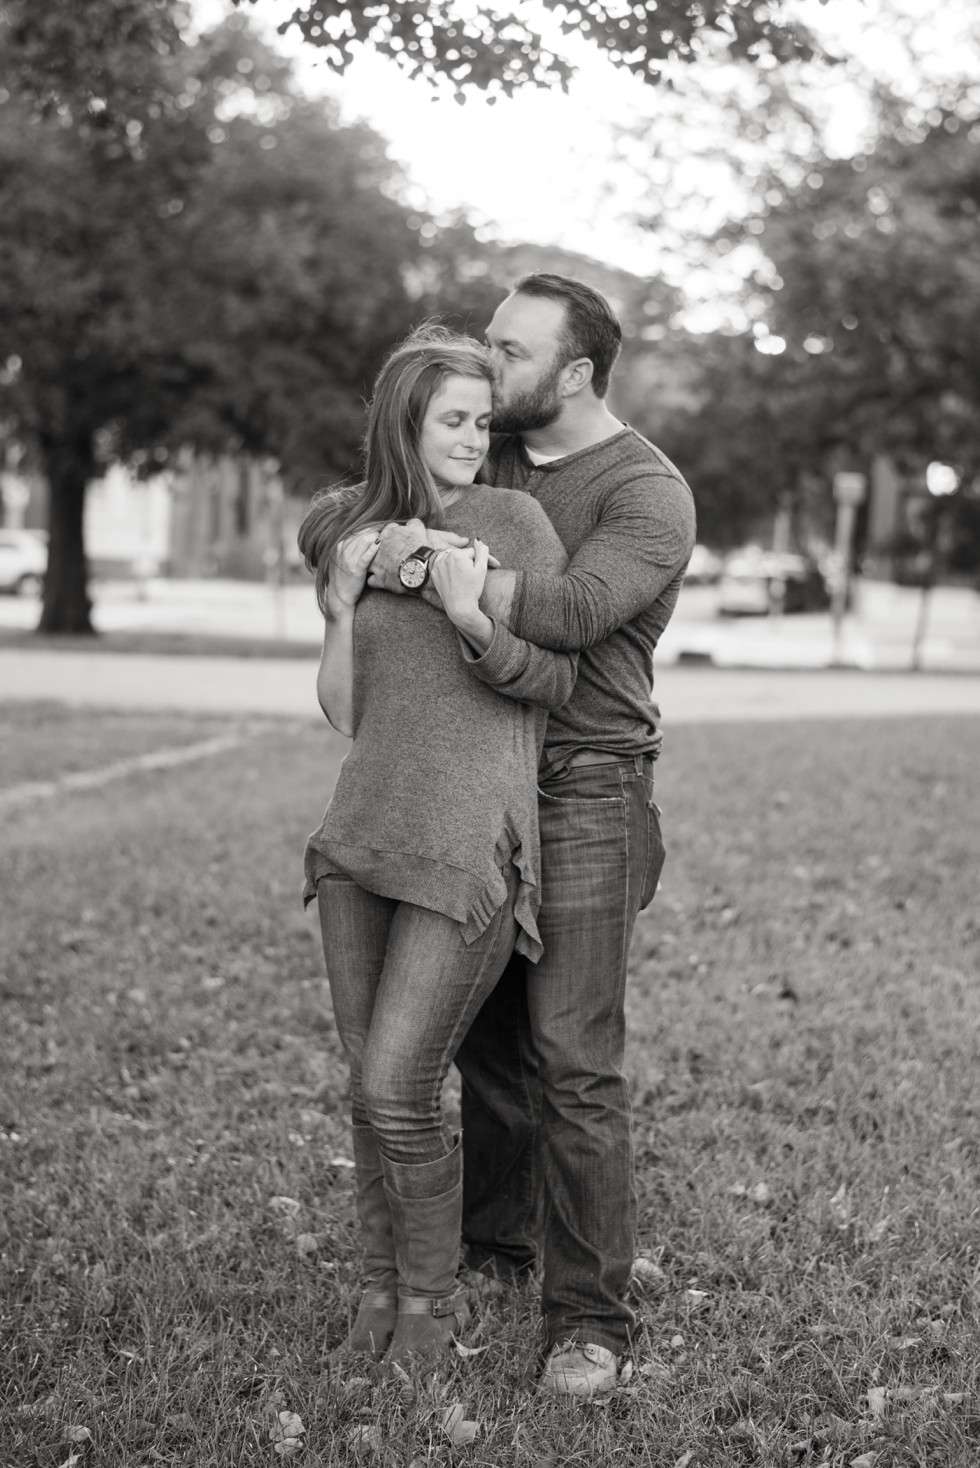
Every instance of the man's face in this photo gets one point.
(524, 338)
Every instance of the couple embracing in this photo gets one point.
(492, 835)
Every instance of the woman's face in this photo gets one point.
(456, 431)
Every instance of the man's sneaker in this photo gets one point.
(578, 1369)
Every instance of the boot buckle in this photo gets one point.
(448, 1305)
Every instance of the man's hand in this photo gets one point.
(397, 542)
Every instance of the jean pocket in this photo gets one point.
(595, 785)
(581, 797)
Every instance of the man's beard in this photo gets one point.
(529, 410)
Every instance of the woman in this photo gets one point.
(425, 867)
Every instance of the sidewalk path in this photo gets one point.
(877, 635)
(286, 687)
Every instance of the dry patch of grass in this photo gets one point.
(178, 1242)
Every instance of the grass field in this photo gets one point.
(178, 1245)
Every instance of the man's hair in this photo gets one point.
(590, 328)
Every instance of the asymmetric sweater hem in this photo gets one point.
(469, 898)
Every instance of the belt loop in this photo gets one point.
(638, 763)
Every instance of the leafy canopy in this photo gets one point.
(501, 47)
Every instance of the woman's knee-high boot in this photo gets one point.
(374, 1324)
(426, 1202)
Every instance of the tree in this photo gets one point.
(101, 63)
(106, 54)
(870, 287)
(873, 283)
(168, 282)
(497, 47)
(226, 275)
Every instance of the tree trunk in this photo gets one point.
(68, 465)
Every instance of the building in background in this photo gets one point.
(201, 517)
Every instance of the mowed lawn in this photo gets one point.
(178, 1246)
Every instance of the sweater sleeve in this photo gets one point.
(642, 541)
(514, 665)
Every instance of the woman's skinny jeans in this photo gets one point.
(405, 989)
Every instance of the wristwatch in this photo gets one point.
(413, 571)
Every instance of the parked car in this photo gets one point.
(757, 583)
(23, 561)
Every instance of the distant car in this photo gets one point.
(756, 583)
(23, 562)
(704, 568)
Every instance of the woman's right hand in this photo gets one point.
(458, 576)
(349, 568)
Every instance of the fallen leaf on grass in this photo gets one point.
(758, 1193)
(677, 1343)
(839, 1207)
(457, 1429)
(287, 1434)
(877, 1398)
(866, 1460)
(904, 1342)
(647, 1274)
(464, 1351)
(287, 1207)
(684, 1459)
(365, 1435)
(71, 1460)
(306, 1245)
(79, 1435)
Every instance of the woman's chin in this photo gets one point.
(459, 481)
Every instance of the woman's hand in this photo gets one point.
(458, 577)
(349, 568)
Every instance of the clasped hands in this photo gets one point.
(452, 575)
(372, 557)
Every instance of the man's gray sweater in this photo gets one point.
(626, 518)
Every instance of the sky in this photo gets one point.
(543, 166)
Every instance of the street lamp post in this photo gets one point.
(941, 481)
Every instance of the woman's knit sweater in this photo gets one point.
(439, 791)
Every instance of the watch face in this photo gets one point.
(412, 573)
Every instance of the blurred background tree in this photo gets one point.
(851, 325)
(194, 254)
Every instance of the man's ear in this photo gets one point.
(576, 375)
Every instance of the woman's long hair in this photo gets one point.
(397, 485)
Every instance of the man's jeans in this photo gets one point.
(543, 1062)
(405, 988)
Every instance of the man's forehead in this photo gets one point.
(530, 321)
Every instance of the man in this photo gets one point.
(543, 1062)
